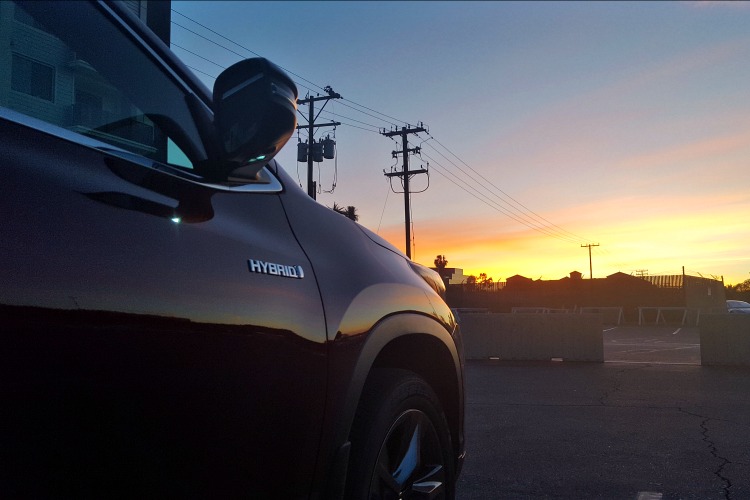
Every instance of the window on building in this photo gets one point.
(33, 78)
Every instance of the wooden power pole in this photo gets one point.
(405, 173)
(311, 126)
(591, 272)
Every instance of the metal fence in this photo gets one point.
(494, 286)
(663, 281)
(666, 281)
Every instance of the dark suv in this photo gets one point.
(177, 317)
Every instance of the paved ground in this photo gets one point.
(662, 345)
(648, 423)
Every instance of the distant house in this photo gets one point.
(517, 279)
(616, 290)
(452, 275)
(620, 276)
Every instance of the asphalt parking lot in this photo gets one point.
(648, 423)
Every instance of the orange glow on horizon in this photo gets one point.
(636, 235)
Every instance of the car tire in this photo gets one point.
(401, 443)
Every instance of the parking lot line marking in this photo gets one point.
(648, 495)
(610, 329)
(648, 344)
(615, 361)
(676, 331)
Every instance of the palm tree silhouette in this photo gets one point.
(350, 211)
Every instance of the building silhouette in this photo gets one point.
(696, 294)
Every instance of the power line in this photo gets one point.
(207, 39)
(342, 117)
(317, 87)
(503, 193)
(174, 45)
(256, 54)
(497, 199)
(374, 111)
(367, 114)
(235, 43)
(201, 72)
(518, 217)
(457, 181)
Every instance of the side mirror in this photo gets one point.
(255, 114)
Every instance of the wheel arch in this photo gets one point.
(429, 358)
(422, 345)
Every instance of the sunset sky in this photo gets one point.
(551, 125)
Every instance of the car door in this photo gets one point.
(161, 334)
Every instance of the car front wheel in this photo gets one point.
(401, 444)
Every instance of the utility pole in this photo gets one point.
(591, 272)
(406, 173)
(311, 125)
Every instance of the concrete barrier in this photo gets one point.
(610, 315)
(725, 339)
(572, 337)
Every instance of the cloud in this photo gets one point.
(689, 153)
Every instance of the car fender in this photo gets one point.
(405, 326)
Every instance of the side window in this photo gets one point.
(45, 77)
